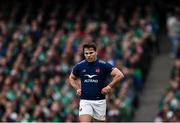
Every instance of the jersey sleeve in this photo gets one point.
(109, 67)
(75, 71)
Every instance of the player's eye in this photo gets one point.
(89, 53)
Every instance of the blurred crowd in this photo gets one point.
(169, 106)
(173, 29)
(40, 41)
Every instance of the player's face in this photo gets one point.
(90, 54)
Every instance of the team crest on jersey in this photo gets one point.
(97, 70)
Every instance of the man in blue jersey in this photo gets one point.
(92, 89)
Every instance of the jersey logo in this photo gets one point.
(97, 70)
(90, 76)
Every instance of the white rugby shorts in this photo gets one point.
(94, 108)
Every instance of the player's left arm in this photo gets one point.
(117, 76)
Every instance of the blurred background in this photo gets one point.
(40, 41)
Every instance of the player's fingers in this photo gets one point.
(104, 91)
(78, 92)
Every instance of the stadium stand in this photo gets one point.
(41, 41)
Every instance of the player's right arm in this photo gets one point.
(73, 80)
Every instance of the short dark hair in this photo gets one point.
(89, 45)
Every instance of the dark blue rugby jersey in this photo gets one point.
(93, 76)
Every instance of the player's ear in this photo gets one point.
(95, 53)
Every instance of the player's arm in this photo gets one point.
(73, 80)
(117, 76)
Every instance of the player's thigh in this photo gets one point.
(99, 108)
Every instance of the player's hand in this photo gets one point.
(78, 92)
(106, 90)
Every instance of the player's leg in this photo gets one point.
(85, 111)
(85, 118)
(99, 108)
(95, 120)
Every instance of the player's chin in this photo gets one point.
(89, 60)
